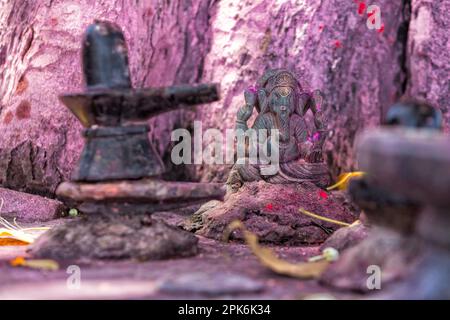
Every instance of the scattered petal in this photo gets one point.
(12, 242)
(305, 270)
(344, 179)
(13, 234)
(355, 223)
(42, 264)
(316, 216)
(329, 254)
(18, 261)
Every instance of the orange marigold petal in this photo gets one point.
(18, 261)
(12, 242)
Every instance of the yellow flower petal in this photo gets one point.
(344, 179)
(42, 264)
(316, 216)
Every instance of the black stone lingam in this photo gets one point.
(117, 181)
(116, 148)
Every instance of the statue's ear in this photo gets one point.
(304, 103)
(262, 101)
(318, 101)
(308, 101)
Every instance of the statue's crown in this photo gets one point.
(282, 79)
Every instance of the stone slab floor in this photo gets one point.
(219, 271)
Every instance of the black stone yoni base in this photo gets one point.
(116, 153)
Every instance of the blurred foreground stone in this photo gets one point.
(410, 246)
(28, 207)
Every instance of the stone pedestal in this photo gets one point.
(117, 221)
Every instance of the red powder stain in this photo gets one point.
(321, 28)
(381, 30)
(269, 206)
(148, 12)
(337, 44)
(370, 14)
(323, 194)
(361, 8)
(22, 85)
(8, 117)
(53, 22)
(23, 111)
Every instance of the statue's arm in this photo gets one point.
(301, 132)
(314, 102)
(318, 139)
(245, 112)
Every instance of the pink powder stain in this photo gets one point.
(314, 137)
(337, 44)
(269, 206)
(252, 89)
(321, 28)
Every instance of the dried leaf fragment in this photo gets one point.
(305, 270)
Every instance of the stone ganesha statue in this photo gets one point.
(281, 104)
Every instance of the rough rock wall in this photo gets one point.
(428, 55)
(40, 57)
(360, 71)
